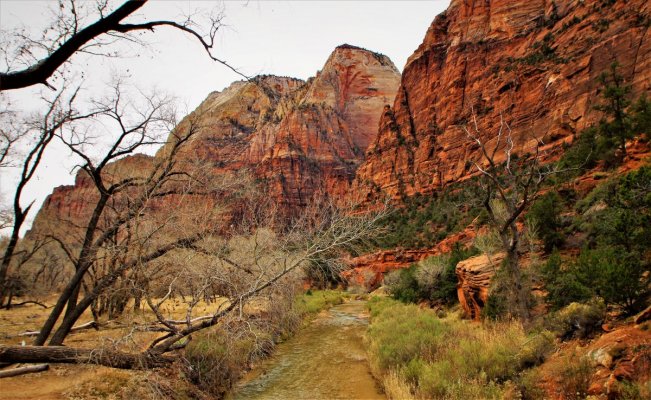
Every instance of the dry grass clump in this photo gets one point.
(447, 358)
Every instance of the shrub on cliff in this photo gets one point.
(621, 121)
(562, 283)
(545, 213)
(577, 320)
(432, 279)
(616, 221)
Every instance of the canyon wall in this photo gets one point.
(534, 63)
(296, 139)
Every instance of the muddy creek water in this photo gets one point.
(325, 360)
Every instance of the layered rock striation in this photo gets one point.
(533, 64)
(474, 275)
(297, 139)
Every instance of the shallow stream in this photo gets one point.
(325, 360)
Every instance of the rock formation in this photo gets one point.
(367, 271)
(297, 138)
(534, 63)
(64, 212)
(474, 276)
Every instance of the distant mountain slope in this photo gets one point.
(297, 138)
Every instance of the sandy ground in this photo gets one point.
(79, 381)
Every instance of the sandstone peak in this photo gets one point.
(349, 49)
(353, 82)
(298, 138)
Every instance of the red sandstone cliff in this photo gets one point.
(298, 138)
(69, 207)
(536, 62)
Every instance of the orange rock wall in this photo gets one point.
(480, 55)
(298, 139)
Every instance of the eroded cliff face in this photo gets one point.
(297, 139)
(533, 62)
(69, 207)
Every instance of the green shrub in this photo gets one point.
(436, 277)
(536, 349)
(432, 279)
(642, 116)
(615, 275)
(577, 320)
(450, 358)
(580, 156)
(574, 377)
(395, 340)
(529, 385)
(495, 307)
(616, 219)
(314, 301)
(621, 121)
(630, 391)
(562, 284)
(403, 285)
(425, 220)
(545, 213)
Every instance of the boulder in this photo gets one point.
(474, 276)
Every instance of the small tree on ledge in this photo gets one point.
(509, 187)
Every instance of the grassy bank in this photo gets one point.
(218, 358)
(416, 354)
(314, 301)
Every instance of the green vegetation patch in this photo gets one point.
(426, 219)
(432, 279)
(313, 301)
(447, 357)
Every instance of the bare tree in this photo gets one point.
(77, 27)
(85, 27)
(8, 136)
(138, 125)
(510, 185)
(244, 265)
(40, 129)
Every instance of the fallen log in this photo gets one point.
(24, 370)
(71, 355)
(87, 325)
(193, 320)
(23, 303)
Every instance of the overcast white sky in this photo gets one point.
(289, 38)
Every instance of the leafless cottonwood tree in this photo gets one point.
(89, 27)
(40, 130)
(77, 27)
(119, 197)
(240, 267)
(510, 186)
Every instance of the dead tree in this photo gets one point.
(138, 125)
(71, 32)
(40, 130)
(510, 185)
(253, 261)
